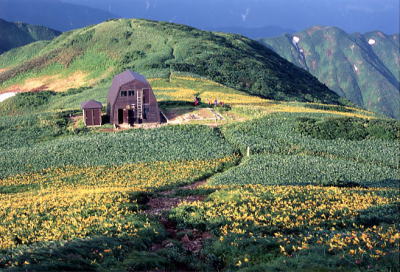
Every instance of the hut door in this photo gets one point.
(96, 117)
(126, 120)
(89, 117)
(131, 117)
(120, 116)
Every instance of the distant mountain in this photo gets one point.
(52, 13)
(255, 32)
(364, 68)
(156, 49)
(18, 34)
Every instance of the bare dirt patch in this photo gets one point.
(162, 204)
(183, 115)
(158, 205)
(56, 83)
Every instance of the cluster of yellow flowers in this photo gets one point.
(59, 215)
(76, 202)
(176, 88)
(288, 107)
(197, 79)
(324, 214)
(132, 176)
(232, 98)
(176, 93)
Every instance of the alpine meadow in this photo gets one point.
(255, 165)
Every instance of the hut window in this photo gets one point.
(131, 93)
(146, 95)
(123, 93)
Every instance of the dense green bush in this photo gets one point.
(349, 128)
(32, 100)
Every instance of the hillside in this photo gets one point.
(86, 56)
(364, 68)
(54, 14)
(18, 34)
(189, 197)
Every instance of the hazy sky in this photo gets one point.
(352, 15)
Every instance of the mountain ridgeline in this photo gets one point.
(54, 14)
(364, 68)
(18, 34)
(156, 49)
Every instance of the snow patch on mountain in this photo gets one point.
(371, 41)
(5, 96)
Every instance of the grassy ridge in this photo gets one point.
(157, 49)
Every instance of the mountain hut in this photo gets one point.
(131, 100)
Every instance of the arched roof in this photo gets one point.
(122, 79)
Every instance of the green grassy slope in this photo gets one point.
(315, 148)
(361, 67)
(68, 190)
(156, 49)
(18, 34)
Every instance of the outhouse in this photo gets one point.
(92, 113)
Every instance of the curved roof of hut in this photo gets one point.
(91, 104)
(122, 79)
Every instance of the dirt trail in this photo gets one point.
(191, 239)
(164, 202)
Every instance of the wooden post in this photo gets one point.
(248, 151)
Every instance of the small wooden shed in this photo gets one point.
(92, 113)
(131, 100)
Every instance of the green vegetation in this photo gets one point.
(83, 191)
(278, 134)
(28, 130)
(287, 149)
(271, 169)
(319, 189)
(18, 34)
(24, 103)
(349, 128)
(164, 144)
(296, 228)
(360, 67)
(156, 49)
